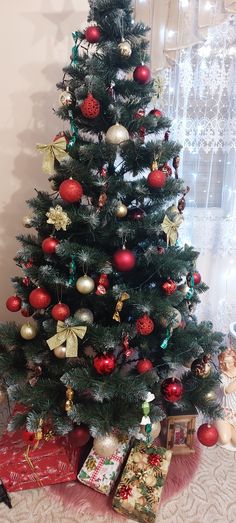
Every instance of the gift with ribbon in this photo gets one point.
(70, 336)
(171, 225)
(51, 152)
(120, 304)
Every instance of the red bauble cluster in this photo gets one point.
(136, 213)
(71, 191)
(207, 434)
(49, 245)
(93, 34)
(196, 277)
(156, 179)
(144, 366)
(145, 325)
(156, 112)
(90, 108)
(142, 74)
(80, 435)
(13, 303)
(172, 389)
(60, 312)
(124, 260)
(104, 364)
(39, 298)
(169, 287)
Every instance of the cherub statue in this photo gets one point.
(227, 426)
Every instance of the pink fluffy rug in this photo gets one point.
(83, 500)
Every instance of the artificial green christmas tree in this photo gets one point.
(104, 279)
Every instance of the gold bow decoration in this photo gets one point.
(171, 228)
(69, 335)
(51, 152)
(120, 304)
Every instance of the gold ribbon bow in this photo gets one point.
(68, 334)
(55, 150)
(171, 229)
(119, 306)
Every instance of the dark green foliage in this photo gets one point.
(87, 246)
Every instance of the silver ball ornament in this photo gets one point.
(105, 446)
(85, 284)
(60, 352)
(28, 331)
(117, 134)
(26, 221)
(156, 429)
(125, 49)
(66, 98)
(84, 316)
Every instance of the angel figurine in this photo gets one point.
(227, 426)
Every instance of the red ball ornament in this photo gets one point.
(144, 366)
(13, 303)
(169, 287)
(104, 364)
(142, 74)
(172, 389)
(139, 114)
(207, 435)
(71, 191)
(145, 325)
(90, 108)
(124, 260)
(156, 112)
(166, 169)
(28, 437)
(156, 179)
(196, 277)
(26, 312)
(80, 435)
(60, 312)
(92, 34)
(136, 213)
(39, 298)
(49, 245)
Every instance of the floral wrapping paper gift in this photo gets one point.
(139, 491)
(101, 473)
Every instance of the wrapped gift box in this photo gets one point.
(22, 468)
(139, 491)
(101, 473)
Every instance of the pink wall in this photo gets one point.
(35, 43)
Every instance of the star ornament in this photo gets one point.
(59, 218)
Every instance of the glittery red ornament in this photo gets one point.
(104, 364)
(207, 434)
(90, 108)
(156, 179)
(124, 260)
(92, 34)
(125, 491)
(80, 435)
(49, 245)
(172, 389)
(103, 172)
(102, 283)
(39, 298)
(60, 312)
(26, 281)
(145, 325)
(139, 114)
(144, 366)
(196, 278)
(29, 437)
(166, 169)
(71, 191)
(169, 287)
(26, 312)
(29, 263)
(142, 74)
(13, 303)
(154, 460)
(156, 112)
(136, 213)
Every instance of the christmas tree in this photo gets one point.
(109, 291)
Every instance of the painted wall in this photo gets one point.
(35, 43)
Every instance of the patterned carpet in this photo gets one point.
(209, 498)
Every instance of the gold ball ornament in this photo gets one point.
(121, 210)
(3, 396)
(210, 396)
(28, 331)
(172, 320)
(66, 98)
(184, 289)
(85, 284)
(60, 352)
(26, 221)
(117, 134)
(105, 446)
(125, 49)
(84, 316)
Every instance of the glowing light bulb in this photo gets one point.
(208, 6)
(184, 3)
